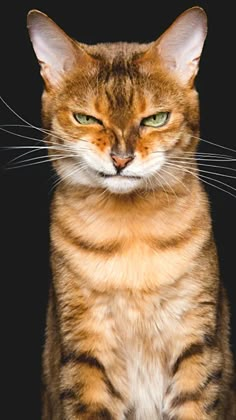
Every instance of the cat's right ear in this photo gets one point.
(57, 53)
(179, 48)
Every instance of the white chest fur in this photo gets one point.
(145, 329)
(148, 381)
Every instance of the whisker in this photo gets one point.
(200, 165)
(219, 182)
(198, 154)
(175, 177)
(25, 154)
(203, 177)
(21, 118)
(204, 164)
(37, 163)
(215, 144)
(33, 138)
(27, 147)
(62, 179)
(205, 159)
(216, 173)
(45, 156)
(216, 186)
(36, 148)
(20, 135)
(33, 150)
(166, 193)
(14, 112)
(28, 124)
(203, 154)
(149, 186)
(209, 156)
(24, 120)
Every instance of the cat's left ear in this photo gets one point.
(179, 48)
(57, 53)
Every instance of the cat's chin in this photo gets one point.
(121, 184)
(113, 184)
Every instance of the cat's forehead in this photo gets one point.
(110, 51)
(117, 84)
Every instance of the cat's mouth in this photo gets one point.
(118, 175)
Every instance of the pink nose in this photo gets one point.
(120, 162)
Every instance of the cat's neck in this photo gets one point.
(129, 229)
(142, 201)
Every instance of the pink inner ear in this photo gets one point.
(181, 45)
(55, 51)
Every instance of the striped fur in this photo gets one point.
(138, 323)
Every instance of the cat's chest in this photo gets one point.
(145, 332)
(148, 382)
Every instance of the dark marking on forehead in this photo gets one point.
(121, 67)
(118, 80)
(120, 97)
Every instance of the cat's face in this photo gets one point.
(120, 129)
(121, 112)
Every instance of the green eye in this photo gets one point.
(86, 119)
(156, 120)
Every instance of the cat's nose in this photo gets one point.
(121, 161)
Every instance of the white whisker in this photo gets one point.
(210, 172)
(175, 177)
(216, 186)
(204, 177)
(162, 186)
(15, 125)
(29, 125)
(195, 154)
(215, 144)
(215, 173)
(24, 120)
(205, 159)
(48, 160)
(29, 147)
(33, 150)
(46, 156)
(218, 181)
(204, 164)
(34, 138)
(62, 179)
(20, 135)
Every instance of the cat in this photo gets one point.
(138, 322)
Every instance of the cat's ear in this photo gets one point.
(57, 53)
(180, 47)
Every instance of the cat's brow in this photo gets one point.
(119, 77)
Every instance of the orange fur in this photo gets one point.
(138, 321)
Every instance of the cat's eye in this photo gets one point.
(156, 120)
(86, 119)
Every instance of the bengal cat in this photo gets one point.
(138, 323)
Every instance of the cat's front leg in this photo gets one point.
(197, 390)
(87, 392)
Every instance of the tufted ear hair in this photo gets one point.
(57, 53)
(179, 48)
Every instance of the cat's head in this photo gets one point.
(120, 113)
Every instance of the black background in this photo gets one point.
(25, 193)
